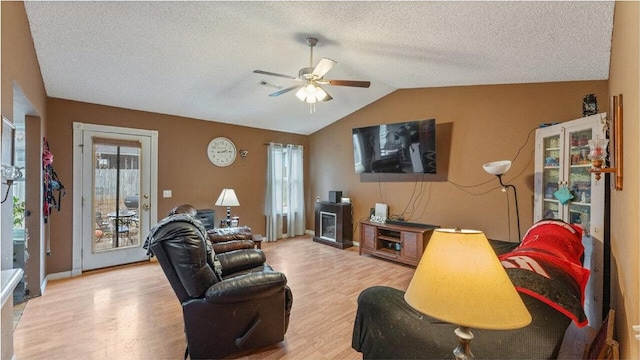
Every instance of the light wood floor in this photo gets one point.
(131, 312)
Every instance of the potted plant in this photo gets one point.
(18, 213)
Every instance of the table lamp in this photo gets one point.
(460, 280)
(228, 198)
(498, 168)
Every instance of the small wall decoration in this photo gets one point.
(589, 105)
(599, 150)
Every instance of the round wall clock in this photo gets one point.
(221, 151)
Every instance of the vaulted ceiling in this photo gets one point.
(196, 59)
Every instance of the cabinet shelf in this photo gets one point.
(389, 238)
(579, 147)
(388, 251)
(580, 203)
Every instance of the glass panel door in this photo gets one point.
(580, 178)
(551, 177)
(114, 170)
(116, 192)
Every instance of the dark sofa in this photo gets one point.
(231, 301)
(386, 327)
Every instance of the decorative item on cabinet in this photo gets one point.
(598, 147)
(589, 105)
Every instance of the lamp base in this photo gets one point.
(463, 350)
(515, 196)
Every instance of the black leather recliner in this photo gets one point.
(242, 306)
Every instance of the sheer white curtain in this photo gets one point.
(273, 198)
(295, 204)
(285, 191)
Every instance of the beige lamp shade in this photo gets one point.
(227, 198)
(460, 280)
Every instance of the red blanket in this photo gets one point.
(547, 266)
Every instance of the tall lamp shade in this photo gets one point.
(228, 198)
(460, 280)
(498, 168)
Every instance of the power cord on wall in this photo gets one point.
(414, 199)
(465, 187)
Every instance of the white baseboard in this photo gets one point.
(55, 276)
(60, 275)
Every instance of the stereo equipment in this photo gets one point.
(335, 196)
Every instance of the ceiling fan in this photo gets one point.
(310, 79)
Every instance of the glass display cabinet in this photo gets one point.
(565, 189)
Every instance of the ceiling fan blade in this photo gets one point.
(274, 74)
(355, 83)
(323, 67)
(280, 92)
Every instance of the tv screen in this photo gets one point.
(406, 147)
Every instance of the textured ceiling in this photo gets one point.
(196, 59)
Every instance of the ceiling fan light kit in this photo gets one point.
(311, 78)
(311, 94)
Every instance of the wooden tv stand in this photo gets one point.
(404, 244)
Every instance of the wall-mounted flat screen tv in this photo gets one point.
(405, 147)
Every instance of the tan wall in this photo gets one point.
(475, 125)
(20, 68)
(19, 61)
(183, 166)
(623, 79)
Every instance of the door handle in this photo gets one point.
(146, 206)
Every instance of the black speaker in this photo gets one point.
(335, 196)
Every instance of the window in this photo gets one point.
(285, 191)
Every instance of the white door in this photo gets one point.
(117, 174)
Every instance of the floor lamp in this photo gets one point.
(498, 168)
